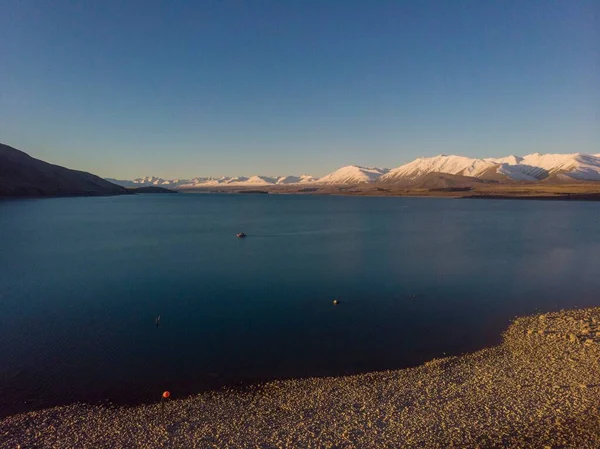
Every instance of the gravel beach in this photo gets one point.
(539, 389)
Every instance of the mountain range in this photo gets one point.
(536, 167)
(23, 175)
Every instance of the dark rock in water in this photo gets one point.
(150, 189)
(24, 176)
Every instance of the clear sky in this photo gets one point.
(219, 87)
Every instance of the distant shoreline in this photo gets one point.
(571, 192)
(563, 197)
(130, 191)
(568, 192)
(538, 388)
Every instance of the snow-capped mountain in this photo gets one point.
(302, 179)
(579, 166)
(155, 181)
(353, 174)
(511, 167)
(149, 181)
(224, 180)
(242, 181)
(454, 165)
(533, 167)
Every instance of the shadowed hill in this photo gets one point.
(150, 189)
(24, 176)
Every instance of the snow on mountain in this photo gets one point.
(306, 179)
(585, 167)
(353, 174)
(237, 180)
(204, 181)
(261, 180)
(288, 180)
(302, 179)
(576, 165)
(532, 167)
(224, 180)
(510, 160)
(149, 181)
(173, 182)
(453, 165)
(242, 181)
(522, 172)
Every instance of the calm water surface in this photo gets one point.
(83, 279)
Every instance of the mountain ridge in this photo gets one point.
(24, 176)
(535, 167)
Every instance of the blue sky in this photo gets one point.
(181, 89)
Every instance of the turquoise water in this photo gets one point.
(83, 279)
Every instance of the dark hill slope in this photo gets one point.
(22, 175)
(150, 189)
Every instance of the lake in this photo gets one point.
(82, 281)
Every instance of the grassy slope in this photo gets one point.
(484, 190)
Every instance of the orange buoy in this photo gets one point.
(166, 394)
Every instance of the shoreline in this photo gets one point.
(549, 192)
(539, 387)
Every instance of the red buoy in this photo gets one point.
(166, 394)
